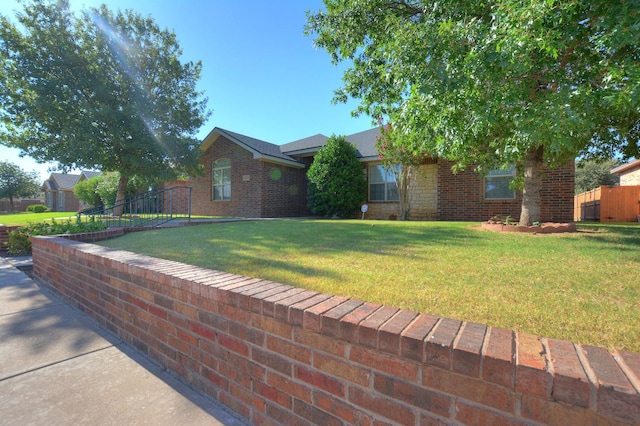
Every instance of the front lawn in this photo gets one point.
(582, 287)
(24, 218)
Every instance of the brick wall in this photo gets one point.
(461, 196)
(19, 205)
(281, 355)
(258, 188)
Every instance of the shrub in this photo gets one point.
(19, 242)
(37, 208)
(337, 185)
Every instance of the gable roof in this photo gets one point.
(61, 182)
(286, 154)
(88, 174)
(626, 167)
(261, 150)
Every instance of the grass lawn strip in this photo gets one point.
(581, 287)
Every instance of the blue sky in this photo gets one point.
(262, 75)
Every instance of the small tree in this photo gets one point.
(398, 159)
(591, 174)
(337, 185)
(87, 191)
(15, 182)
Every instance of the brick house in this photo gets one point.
(248, 177)
(58, 191)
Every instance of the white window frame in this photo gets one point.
(60, 199)
(222, 165)
(500, 177)
(389, 182)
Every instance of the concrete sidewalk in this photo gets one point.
(57, 366)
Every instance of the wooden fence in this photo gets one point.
(608, 204)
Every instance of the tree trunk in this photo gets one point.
(531, 201)
(121, 195)
(11, 204)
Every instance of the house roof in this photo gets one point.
(626, 167)
(61, 182)
(365, 143)
(88, 174)
(261, 150)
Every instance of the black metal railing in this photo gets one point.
(150, 209)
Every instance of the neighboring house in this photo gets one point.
(248, 177)
(629, 173)
(58, 191)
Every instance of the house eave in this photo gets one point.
(270, 159)
(625, 167)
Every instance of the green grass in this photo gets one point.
(20, 219)
(582, 287)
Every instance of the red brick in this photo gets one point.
(547, 412)
(284, 417)
(342, 369)
(417, 396)
(295, 389)
(159, 312)
(331, 318)
(471, 389)
(320, 342)
(272, 394)
(617, 398)
(312, 318)
(631, 362)
(439, 344)
(256, 299)
(532, 376)
(314, 414)
(395, 366)
(268, 304)
(349, 323)
(271, 325)
(233, 344)
(570, 382)
(282, 306)
(241, 297)
(475, 415)
(203, 331)
(272, 360)
(286, 347)
(413, 337)
(498, 364)
(338, 408)
(296, 311)
(382, 406)
(389, 333)
(320, 380)
(368, 328)
(467, 349)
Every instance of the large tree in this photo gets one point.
(591, 174)
(104, 90)
(494, 83)
(16, 183)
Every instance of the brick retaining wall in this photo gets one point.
(281, 355)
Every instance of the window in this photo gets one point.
(221, 180)
(60, 199)
(382, 184)
(496, 184)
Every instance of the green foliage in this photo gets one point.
(16, 183)
(19, 242)
(37, 208)
(591, 174)
(403, 162)
(337, 185)
(102, 90)
(494, 83)
(87, 190)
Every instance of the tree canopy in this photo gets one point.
(591, 174)
(17, 183)
(104, 90)
(337, 185)
(494, 83)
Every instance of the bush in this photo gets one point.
(337, 184)
(19, 242)
(37, 208)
